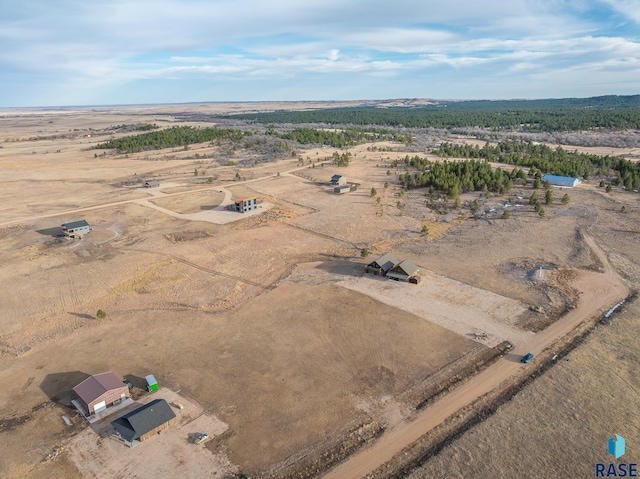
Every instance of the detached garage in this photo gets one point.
(97, 393)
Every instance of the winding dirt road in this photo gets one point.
(144, 201)
(598, 292)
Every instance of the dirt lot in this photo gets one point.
(584, 399)
(98, 453)
(456, 306)
(252, 319)
(191, 203)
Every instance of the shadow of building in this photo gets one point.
(59, 386)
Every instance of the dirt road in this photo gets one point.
(598, 291)
(142, 201)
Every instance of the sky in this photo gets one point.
(78, 52)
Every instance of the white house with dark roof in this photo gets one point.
(76, 227)
(338, 180)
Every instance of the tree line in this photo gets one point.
(339, 138)
(187, 135)
(171, 137)
(556, 161)
(456, 177)
(611, 112)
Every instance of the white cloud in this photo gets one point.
(402, 40)
(628, 8)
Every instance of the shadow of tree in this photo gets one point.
(82, 315)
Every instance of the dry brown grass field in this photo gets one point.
(267, 322)
(558, 426)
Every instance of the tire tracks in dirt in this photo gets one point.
(201, 268)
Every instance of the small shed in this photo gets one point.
(98, 392)
(338, 180)
(382, 265)
(76, 227)
(144, 422)
(403, 271)
(563, 181)
(152, 384)
(342, 189)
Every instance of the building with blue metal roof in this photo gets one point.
(564, 181)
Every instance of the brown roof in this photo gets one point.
(95, 386)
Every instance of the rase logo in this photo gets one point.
(616, 448)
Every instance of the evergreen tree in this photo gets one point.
(533, 199)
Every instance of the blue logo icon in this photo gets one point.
(615, 446)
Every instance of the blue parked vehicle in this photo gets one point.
(526, 358)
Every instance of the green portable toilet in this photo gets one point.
(152, 384)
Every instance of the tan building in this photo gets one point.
(97, 393)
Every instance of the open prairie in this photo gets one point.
(267, 321)
(587, 397)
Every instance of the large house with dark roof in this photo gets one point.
(98, 392)
(382, 265)
(144, 422)
(387, 265)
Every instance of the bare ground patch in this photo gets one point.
(98, 453)
(453, 305)
(191, 203)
